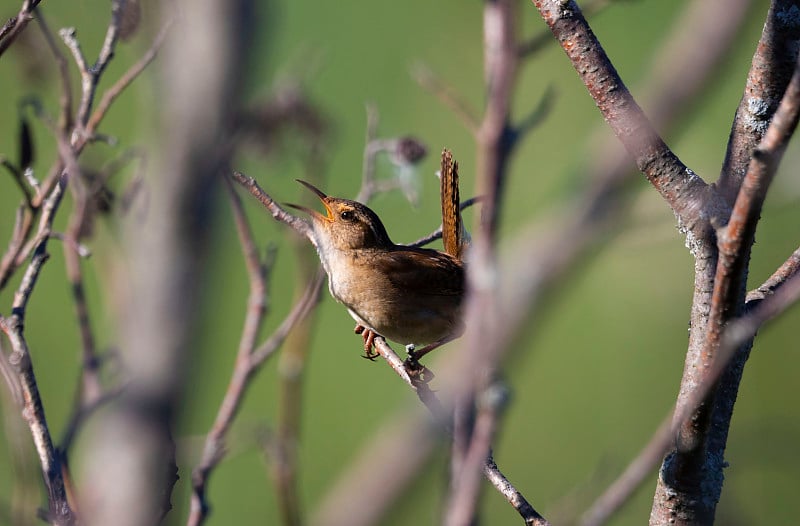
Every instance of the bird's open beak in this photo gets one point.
(322, 197)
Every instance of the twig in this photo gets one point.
(249, 358)
(19, 178)
(65, 93)
(14, 27)
(495, 142)
(285, 457)
(441, 414)
(126, 79)
(90, 75)
(297, 224)
(403, 152)
(788, 269)
(33, 411)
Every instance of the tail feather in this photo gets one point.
(452, 225)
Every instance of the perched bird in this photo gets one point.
(412, 296)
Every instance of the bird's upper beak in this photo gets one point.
(322, 197)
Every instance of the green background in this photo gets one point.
(591, 379)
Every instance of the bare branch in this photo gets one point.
(772, 68)
(126, 79)
(699, 443)
(90, 75)
(248, 361)
(65, 93)
(685, 192)
(60, 512)
(12, 29)
(787, 270)
(297, 224)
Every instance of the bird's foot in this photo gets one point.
(369, 342)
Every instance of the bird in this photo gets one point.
(409, 295)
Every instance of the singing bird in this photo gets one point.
(409, 295)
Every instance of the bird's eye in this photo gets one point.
(348, 215)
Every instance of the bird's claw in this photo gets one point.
(369, 342)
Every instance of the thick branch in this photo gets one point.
(685, 192)
(770, 72)
(695, 467)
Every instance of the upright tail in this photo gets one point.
(454, 236)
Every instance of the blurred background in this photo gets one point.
(591, 377)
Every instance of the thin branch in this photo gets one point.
(789, 268)
(126, 79)
(246, 366)
(33, 411)
(441, 414)
(403, 152)
(292, 363)
(298, 225)
(19, 178)
(65, 121)
(90, 75)
(249, 358)
(14, 26)
(81, 415)
(495, 142)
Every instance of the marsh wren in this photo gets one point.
(408, 295)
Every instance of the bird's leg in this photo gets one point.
(369, 341)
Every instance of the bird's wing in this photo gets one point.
(427, 271)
